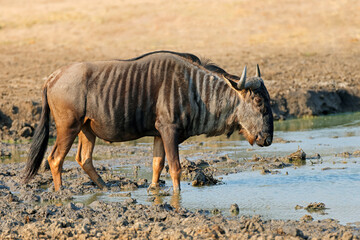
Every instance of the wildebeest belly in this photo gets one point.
(121, 124)
(116, 121)
(118, 130)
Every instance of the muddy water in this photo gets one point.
(333, 180)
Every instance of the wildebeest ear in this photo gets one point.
(240, 85)
(230, 82)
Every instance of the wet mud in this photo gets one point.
(34, 210)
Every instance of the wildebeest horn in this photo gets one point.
(241, 83)
(258, 71)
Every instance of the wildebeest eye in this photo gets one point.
(258, 101)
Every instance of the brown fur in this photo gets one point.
(168, 95)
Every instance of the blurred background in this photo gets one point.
(301, 46)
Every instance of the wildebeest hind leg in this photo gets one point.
(64, 140)
(84, 155)
(158, 161)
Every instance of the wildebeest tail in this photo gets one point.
(39, 141)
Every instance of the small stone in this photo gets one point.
(199, 180)
(306, 218)
(293, 231)
(72, 206)
(186, 163)
(315, 207)
(137, 226)
(201, 163)
(80, 205)
(234, 209)
(297, 157)
(218, 229)
(130, 201)
(95, 205)
(297, 207)
(5, 153)
(26, 132)
(142, 183)
(215, 211)
(347, 236)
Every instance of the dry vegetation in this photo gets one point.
(298, 44)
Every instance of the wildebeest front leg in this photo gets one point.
(170, 141)
(84, 155)
(158, 161)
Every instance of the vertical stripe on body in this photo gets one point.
(139, 100)
(127, 103)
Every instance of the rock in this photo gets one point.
(16, 125)
(265, 171)
(306, 218)
(231, 161)
(201, 163)
(202, 179)
(166, 207)
(347, 236)
(297, 207)
(129, 201)
(215, 211)
(137, 226)
(356, 153)
(294, 232)
(343, 154)
(313, 207)
(72, 206)
(218, 229)
(186, 163)
(3, 187)
(26, 132)
(97, 205)
(199, 180)
(128, 185)
(297, 157)
(5, 153)
(234, 209)
(142, 183)
(315, 156)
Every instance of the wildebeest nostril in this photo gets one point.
(268, 141)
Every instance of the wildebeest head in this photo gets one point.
(254, 113)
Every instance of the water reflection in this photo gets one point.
(159, 196)
(273, 196)
(13, 156)
(311, 123)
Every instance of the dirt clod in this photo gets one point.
(306, 218)
(297, 157)
(234, 209)
(315, 207)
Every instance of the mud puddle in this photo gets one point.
(333, 179)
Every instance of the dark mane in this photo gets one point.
(207, 64)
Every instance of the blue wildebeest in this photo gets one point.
(164, 94)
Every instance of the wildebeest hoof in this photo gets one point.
(153, 186)
(101, 184)
(177, 190)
